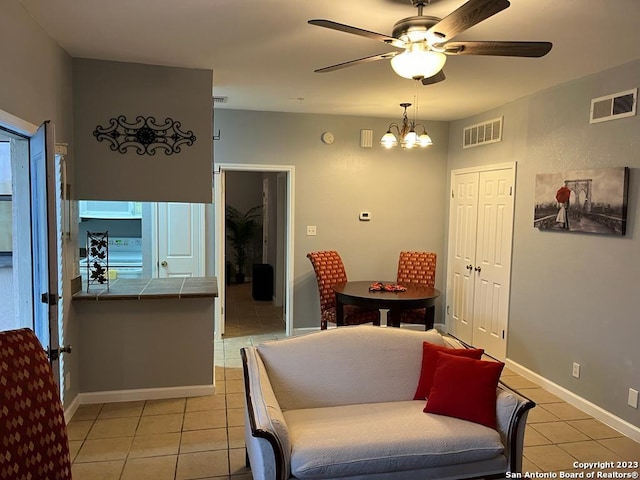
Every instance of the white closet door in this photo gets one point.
(480, 237)
(462, 252)
(493, 261)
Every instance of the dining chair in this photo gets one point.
(417, 268)
(33, 433)
(330, 271)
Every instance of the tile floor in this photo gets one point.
(202, 437)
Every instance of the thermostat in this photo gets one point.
(365, 216)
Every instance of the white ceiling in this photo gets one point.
(263, 52)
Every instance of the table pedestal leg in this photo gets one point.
(339, 314)
(393, 318)
(429, 317)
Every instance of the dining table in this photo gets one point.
(360, 294)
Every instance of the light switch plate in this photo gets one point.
(311, 230)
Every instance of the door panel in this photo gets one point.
(44, 238)
(464, 240)
(480, 232)
(180, 240)
(493, 258)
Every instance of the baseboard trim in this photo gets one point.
(592, 409)
(69, 412)
(140, 394)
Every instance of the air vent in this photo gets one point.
(612, 107)
(482, 133)
(220, 100)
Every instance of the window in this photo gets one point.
(6, 229)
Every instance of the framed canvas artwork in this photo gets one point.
(587, 201)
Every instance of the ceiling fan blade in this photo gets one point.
(503, 49)
(340, 27)
(465, 17)
(372, 58)
(438, 77)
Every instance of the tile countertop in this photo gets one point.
(151, 288)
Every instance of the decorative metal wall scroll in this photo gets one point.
(145, 135)
(97, 259)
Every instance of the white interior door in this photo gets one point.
(219, 253)
(462, 248)
(493, 261)
(181, 240)
(44, 208)
(480, 238)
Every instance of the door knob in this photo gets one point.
(164, 263)
(54, 353)
(469, 267)
(478, 269)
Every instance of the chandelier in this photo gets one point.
(410, 134)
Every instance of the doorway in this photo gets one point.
(36, 246)
(285, 179)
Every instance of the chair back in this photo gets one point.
(418, 268)
(33, 432)
(329, 271)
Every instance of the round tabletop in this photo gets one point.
(357, 293)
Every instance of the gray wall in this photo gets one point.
(574, 297)
(105, 90)
(118, 352)
(36, 79)
(403, 190)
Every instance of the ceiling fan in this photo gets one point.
(426, 40)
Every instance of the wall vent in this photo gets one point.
(482, 133)
(614, 106)
(220, 100)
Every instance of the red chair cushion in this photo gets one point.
(33, 432)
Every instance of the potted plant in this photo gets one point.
(241, 231)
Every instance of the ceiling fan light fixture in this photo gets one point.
(417, 62)
(415, 35)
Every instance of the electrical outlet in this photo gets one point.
(576, 370)
(67, 382)
(633, 398)
(311, 230)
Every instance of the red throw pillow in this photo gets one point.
(465, 388)
(429, 360)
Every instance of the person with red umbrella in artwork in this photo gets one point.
(562, 197)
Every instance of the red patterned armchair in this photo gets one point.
(330, 271)
(33, 432)
(418, 268)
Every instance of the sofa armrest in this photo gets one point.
(512, 411)
(266, 433)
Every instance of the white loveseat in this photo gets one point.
(339, 404)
